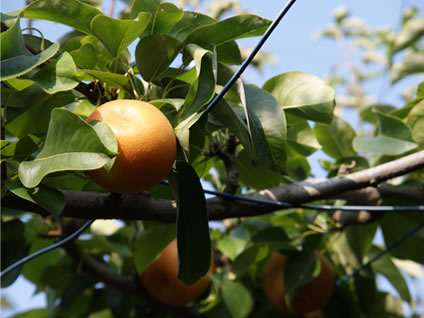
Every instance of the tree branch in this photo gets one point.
(142, 206)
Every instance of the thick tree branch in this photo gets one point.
(142, 206)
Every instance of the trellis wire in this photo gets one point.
(251, 56)
(380, 254)
(47, 249)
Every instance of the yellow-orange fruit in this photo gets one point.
(306, 299)
(146, 145)
(160, 280)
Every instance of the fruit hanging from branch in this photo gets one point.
(146, 145)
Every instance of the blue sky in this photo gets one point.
(293, 49)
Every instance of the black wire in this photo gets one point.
(380, 254)
(251, 56)
(47, 249)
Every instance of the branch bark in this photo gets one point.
(142, 206)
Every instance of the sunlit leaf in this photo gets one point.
(71, 144)
(303, 95)
(61, 75)
(74, 13)
(124, 31)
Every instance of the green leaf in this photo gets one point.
(150, 243)
(236, 27)
(16, 60)
(33, 271)
(303, 95)
(154, 54)
(237, 298)
(149, 6)
(124, 31)
(194, 249)
(392, 126)
(300, 268)
(33, 313)
(384, 265)
(385, 305)
(188, 23)
(418, 132)
(13, 248)
(301, 138)
(395, 137)
(231, 246)
(167, 16)
(368, 113)
(48, 198)
(114, 79)
(61, 75)
(267, 125)
(382, 144)
(74, 13)
(336, 138)
(255, 175)
(21, 149)
(395, 225)
(203, 89)
(85, 56)
(36, 119)
(182, 131)
(249, 257)
(411, 32)
(225, 113)
(71, 144)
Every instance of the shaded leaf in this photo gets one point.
(194, 249)
(150, 243)
(237, 298)
(203, 89)
(33, 313)
(85, 56)
(385, 266)
(267, 125)
(230, 119)
(48, 198)
(395, 225)
(188, 23)
(154, 54)
(299, 269)
(71, 144)
(303, 95)
(301, 138)
(336, 138)
(16, 60)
